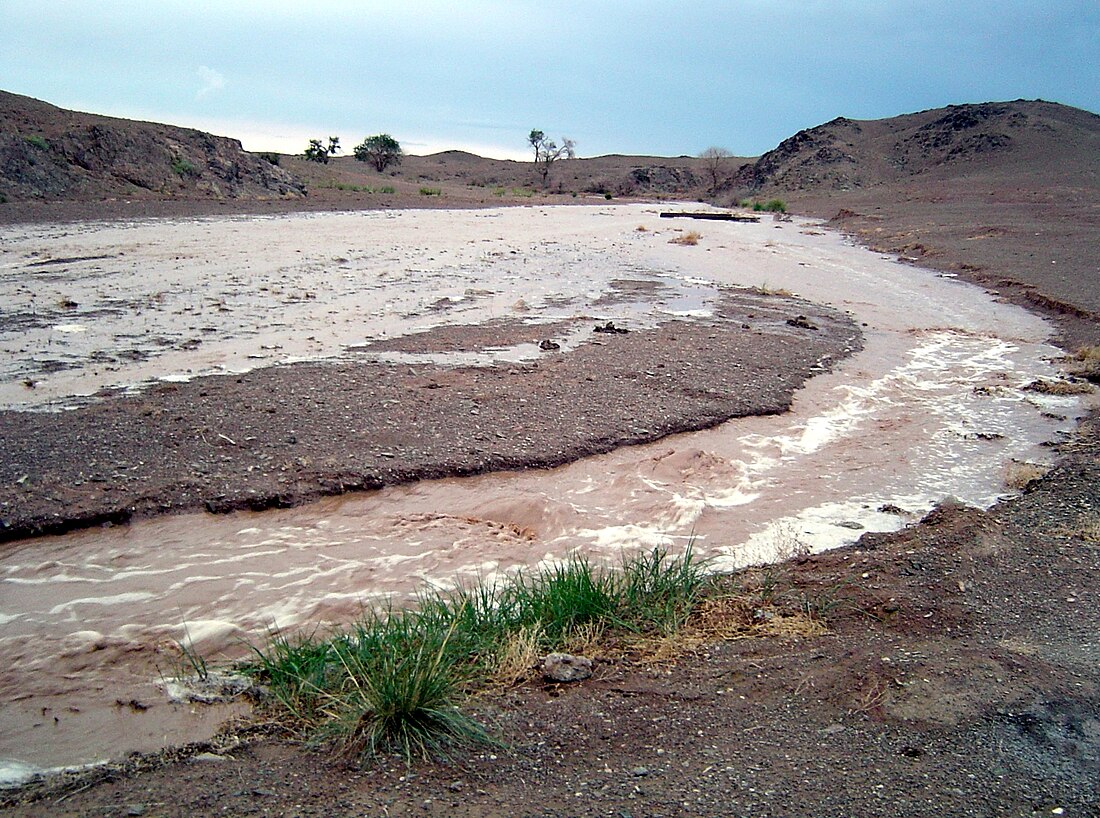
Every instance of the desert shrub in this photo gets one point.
(431, 191)
(269, 156)
(37, 142)
(182, 167)
(690, 238)
(770, 206)
(387, 189)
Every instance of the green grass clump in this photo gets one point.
(394, 682)
(431, 191)
(182, 167)
(770, 206)
(387, 189)
(37, 141)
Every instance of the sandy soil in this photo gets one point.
(958, 676)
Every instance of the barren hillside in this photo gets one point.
(48, 153)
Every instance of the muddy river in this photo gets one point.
(932, 407)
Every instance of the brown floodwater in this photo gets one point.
(932, 407)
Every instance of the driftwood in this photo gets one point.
(717, 217)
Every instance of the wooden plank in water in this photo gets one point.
(718, 217)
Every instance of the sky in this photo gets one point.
(616, 76)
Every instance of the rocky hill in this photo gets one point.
(48, 153)
(1032, 138)
(974, 190)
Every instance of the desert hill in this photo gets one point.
(49, 153)
(53, 155)
(1005, 139)
(974, 190)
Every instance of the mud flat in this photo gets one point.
(314, 354)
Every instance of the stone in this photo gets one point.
(564, 667)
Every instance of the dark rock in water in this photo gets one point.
(564, 667)
(610, 329)
(802, 322)
(549, 346)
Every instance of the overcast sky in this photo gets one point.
(617, 76)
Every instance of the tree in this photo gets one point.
(547, 151)
(381, 151)
(716, 160)
(317, 152)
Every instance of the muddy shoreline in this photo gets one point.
(281, 436)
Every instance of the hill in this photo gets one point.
(49, 153)
(1005, 194)
(1033, 139)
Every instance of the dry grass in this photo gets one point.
(690, 238)
(1047, 387)
(1019, 474)
(641, 228)
(1085, 363)
(782, 292)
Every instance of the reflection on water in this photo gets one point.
(933, 406)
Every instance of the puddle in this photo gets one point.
(932, 407)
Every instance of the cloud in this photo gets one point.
(212, 81)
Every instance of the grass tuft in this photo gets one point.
(397, 679)
(690, 238)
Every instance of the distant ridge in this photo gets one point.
(1021, 137)
(49, 153)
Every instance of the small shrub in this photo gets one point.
(431, 191)
(691, 238)
(269, 156)
(390, 189)
(3, 199)
(183, 167)
(770, 206)
(608, 196)
(37, 141)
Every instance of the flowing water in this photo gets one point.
(932, 407)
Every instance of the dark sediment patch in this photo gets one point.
(284, 435)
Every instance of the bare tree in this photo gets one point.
(547, 151)
(717, 162)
